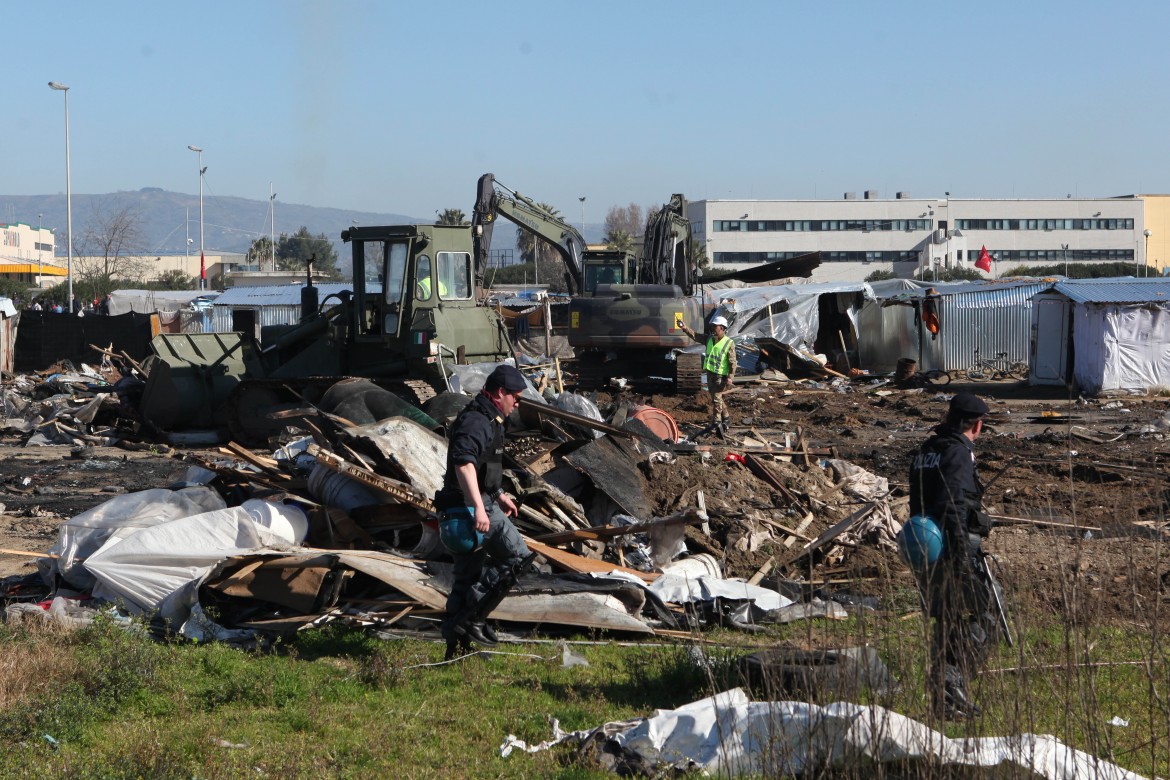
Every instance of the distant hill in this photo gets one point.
(230, 224)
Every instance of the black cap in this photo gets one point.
(507, 377)
(968, 406)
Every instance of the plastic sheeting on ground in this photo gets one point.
(82, 536)
(161, 567)
(731, 736)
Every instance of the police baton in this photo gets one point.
(1001, 612)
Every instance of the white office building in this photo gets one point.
(860, 235)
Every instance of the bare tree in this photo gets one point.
(624, 219)
(111, 244)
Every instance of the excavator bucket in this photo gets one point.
(192, 374)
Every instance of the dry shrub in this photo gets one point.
(34, 661)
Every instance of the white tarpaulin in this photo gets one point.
(161, 567)
(731, 736)
(81, 536)
(1121, 347)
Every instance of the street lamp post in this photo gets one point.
(272, 223)
(582, 199)
(202, 257)
(1146, 260)
(68, 193)
(1064, 251)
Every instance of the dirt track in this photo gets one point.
(1110, 484)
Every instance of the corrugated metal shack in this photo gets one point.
(991, 316)
(248, 309)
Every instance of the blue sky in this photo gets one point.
(399, 107)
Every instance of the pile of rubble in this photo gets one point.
(636, 532)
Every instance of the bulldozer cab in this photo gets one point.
(414, 299)
(399, 272)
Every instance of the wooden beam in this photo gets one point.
(582, 565)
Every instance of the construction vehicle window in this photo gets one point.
(395, 272)
(422, 287)
(454, 275)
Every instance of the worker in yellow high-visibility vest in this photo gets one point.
(719, 364)
(423, 291)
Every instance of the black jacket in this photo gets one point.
(476, 436)
(945, 487)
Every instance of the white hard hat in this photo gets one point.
(720, 320)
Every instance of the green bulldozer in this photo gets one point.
(412, 312)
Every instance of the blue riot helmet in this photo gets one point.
(920, 542)
(457, 530)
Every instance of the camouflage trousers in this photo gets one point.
(717, 386)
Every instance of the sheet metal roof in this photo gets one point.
(1127, 290)
(978, 295)
(277, 295)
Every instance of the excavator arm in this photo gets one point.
(666, 247)
(494, 199)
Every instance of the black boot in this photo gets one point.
(956, 704)
(477, 631)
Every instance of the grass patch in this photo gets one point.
(342, 703)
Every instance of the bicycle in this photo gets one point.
(996, 368)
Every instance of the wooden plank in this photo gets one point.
(585, 422)
(268, 465)
(582, 565)
(762, 572)
(399, 491)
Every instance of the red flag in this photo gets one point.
(203, 266)
(984, 261)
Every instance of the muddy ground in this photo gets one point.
(1081, 462)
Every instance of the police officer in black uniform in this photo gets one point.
(945, 487)
(474, 478)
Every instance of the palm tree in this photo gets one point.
(619, 239)
(550, 270)
(452, 217)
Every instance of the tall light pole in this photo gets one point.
(202, 257)
(68, 194)
(272, 223)
(1064, 250)
(1146, 260)
(582, 199)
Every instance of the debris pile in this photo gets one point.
(635, 533)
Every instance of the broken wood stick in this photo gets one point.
(541, 519)
(1055, 522)
(761, 470)
(26, 553)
